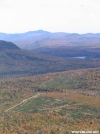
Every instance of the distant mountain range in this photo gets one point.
(37, 39)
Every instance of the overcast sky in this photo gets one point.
(71, 16)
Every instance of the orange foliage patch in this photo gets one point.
(53, 94)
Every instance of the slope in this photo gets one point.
(25, 109)
(17, 62)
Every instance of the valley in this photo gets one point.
(49, 83)
(59, 44)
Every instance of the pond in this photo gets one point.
(80, 57)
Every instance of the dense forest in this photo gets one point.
(51, 103)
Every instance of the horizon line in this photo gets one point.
(41, 30)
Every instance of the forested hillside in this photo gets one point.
(51, 103)
(4, 45)
(18, 62)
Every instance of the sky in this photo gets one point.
(70, 16)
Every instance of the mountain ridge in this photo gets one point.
(27, 39)
(7, 45)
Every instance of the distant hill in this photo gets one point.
(24, 40)
(57, 44)
(7, 45)
(44, 38)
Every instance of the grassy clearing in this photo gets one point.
(71, 105)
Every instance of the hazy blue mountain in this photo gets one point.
(33, 39)
(57, 44)
(4, 45)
